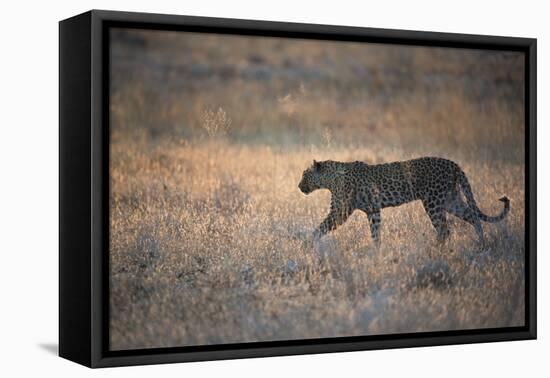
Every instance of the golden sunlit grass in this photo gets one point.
(210, 243)
(210, 238)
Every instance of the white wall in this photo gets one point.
(28, 158)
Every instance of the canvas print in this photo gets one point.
(268, 189)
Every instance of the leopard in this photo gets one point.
(440, 184)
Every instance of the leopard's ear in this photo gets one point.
(316, 165)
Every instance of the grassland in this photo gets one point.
(210, 236)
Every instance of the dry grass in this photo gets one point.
(210, 236)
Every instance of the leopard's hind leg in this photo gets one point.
(461, 210)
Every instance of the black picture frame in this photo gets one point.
(83, 182)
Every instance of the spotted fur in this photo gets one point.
(436, 182)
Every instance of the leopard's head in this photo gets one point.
(317, 176)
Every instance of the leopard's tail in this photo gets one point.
(467, 189)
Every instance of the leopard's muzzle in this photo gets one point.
(304, 188)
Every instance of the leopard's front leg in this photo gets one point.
(338, 214)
